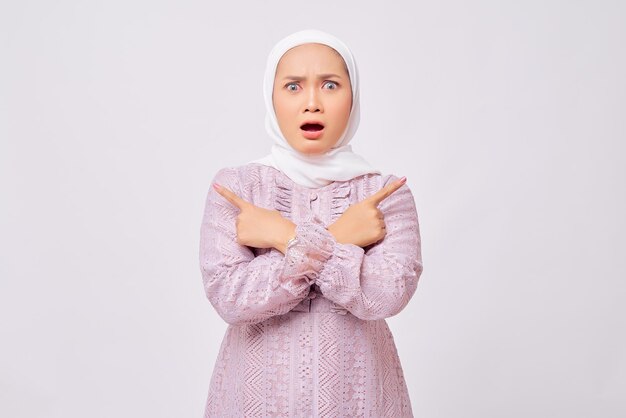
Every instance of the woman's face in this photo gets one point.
(312, 84)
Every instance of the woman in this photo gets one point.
(306, 251)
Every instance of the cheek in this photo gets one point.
(282, 106)
(342, 110)
(277, 102)
(281, 110)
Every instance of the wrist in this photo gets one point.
(331, 228)
(287, 234)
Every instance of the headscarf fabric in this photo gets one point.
(340, 163)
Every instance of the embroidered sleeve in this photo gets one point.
(247, 289)
(378, 282)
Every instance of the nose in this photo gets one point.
(313, 102)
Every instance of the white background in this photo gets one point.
(507, 117)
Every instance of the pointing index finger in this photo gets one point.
(386, 191)
(230, 196)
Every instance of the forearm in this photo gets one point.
(252, 291)
(374, 286)
(248, 289)
(379, 280)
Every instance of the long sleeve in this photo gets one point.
(242, 287)
(378, 282)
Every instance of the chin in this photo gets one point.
(313, 151)
(309, 146)
(314, 148)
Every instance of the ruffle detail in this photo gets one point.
(284, 191)
(283, 196)
(341, 275)
(314, 244)
(340, 200)
(305, 256)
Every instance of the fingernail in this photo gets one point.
(403, 179)
(216, 186)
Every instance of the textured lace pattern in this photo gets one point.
(307, 335)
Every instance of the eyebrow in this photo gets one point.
(298, 78)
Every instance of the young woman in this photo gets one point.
(306, 251)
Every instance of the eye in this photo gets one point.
(291, 84)
(335, 84)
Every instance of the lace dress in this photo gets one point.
(307, 335)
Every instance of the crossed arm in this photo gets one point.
(371, 284)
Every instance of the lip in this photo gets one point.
(312, 121)
(312, 134)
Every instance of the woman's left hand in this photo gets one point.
(259, 227)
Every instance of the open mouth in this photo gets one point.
(312, 127)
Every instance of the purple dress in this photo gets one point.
(307, 335)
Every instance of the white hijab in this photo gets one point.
(340, 162)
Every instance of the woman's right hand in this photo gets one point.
(363, 223)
